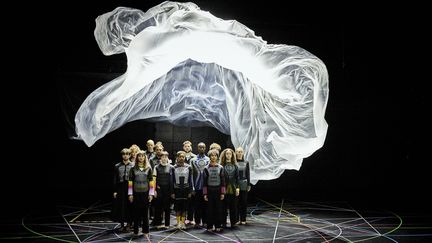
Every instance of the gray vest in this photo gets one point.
(242, 175)
(141, 180)
(214, 175)
(123, 172)
(181, 176)
(242, 169)
(163, 174)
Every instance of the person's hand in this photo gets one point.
(248, 189)
(205, 198)
(131, 198)
(155, 194)
(173, 196)
(222, 197)
(150, 198)
(237, 192)
(115, 194)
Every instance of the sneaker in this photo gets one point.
(218, 229)
(187, 221)
(243, 222)
(191, 222)
(160, 226)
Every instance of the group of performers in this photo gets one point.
(205, 188)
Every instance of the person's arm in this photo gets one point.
(171, 185)
(205, 184)
(248, 176)
(204, 189)
(151, 182)
(131, 179)
(222, 179)
(172, 179)
(190, 182)
(115, 181)
(237, 181)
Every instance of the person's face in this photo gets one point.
(181, 159)
(239, 153)
(228, 155)
(150, 146)
(201, 148)
(125, 156)
(164, 159)
(141, 158)
(213, 158)
(187, 148)
(158, 151)
(133, 154)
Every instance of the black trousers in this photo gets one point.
(141, 208)
(200, 211)
(231, 206)
(243, 205)
(162, 205)
(214, 208)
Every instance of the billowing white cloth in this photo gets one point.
(191, 68)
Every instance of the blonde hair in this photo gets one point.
(125, 151)
(134, 148)
(187, 142)
(215, 146)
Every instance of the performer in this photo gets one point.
(244, 182)
(183, 187)
(164, 184)
(229, 163)
(214, 191)
(121, 206)
(198, 164)
(141, 191)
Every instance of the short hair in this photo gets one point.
(158, 146)
(213, 151)
(239, 148)
(215, 146)
(125, 151)
(164, 153)
(181, 152)
(187, 142)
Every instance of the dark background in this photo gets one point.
(373, 156)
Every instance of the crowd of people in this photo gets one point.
(206, 189)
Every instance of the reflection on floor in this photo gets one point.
(286, 221)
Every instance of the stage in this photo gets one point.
(285, 221)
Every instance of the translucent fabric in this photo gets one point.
(190, 68)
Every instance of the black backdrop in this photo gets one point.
(377, 114)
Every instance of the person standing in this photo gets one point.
(121, 211)
(182, 188)
(141, 192)
(214, 191)
(198, 164)
(244, 182)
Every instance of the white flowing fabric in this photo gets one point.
(190, 68)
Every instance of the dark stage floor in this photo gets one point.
(286, 221)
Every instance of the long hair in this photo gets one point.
(146, 162)
(223, 157)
